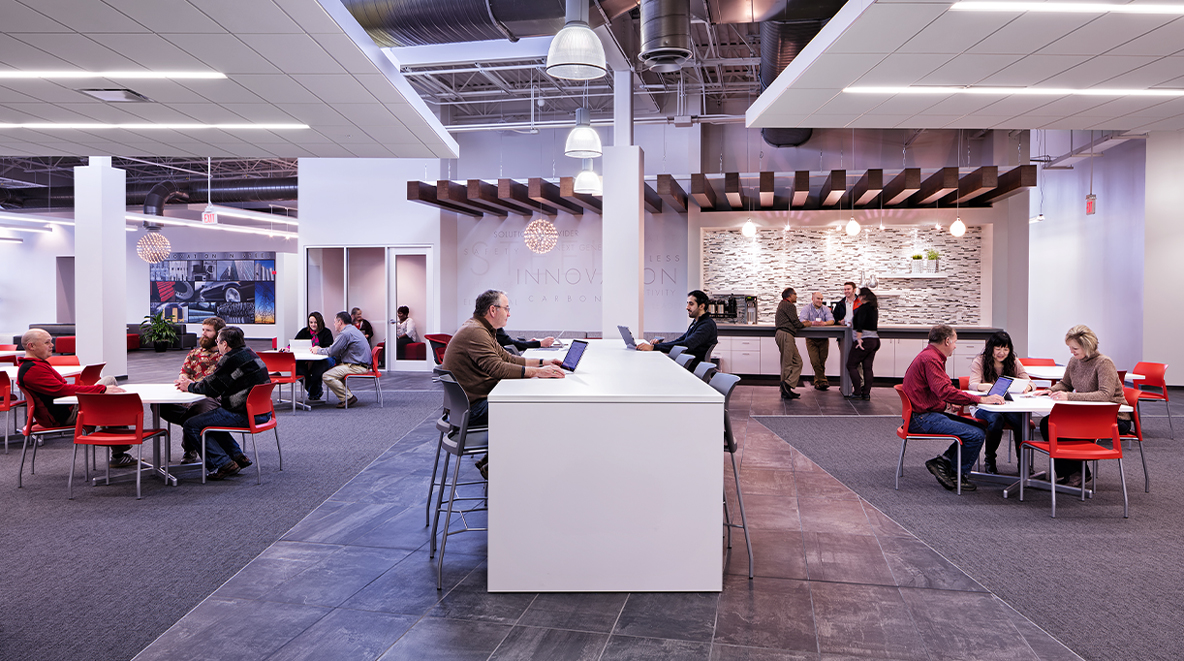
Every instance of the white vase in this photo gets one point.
(916, 265)
(931, 266)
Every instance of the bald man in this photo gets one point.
(817, 314)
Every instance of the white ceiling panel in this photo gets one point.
(1105, 33)
(253, 17)
(222, 91)
(380, 88)
(224, 53)
(80, 51)
(1159, 72)
(905, 104)
(1031, 32)
(330, 150)
(259, 113)
(866, 37)
(336, 89)
(968, 69)
(314, 114)
(835, 70)
(21, 56)
(1103, 67)
(365, 114)
(151, 50)
(294, 53)
(1124, 106)
(954, 32)
(9, 94)
(109, 113)
(342, 49)
(1033, 69)
(45, 91)
(901, 69)
(167, 16)
(277, 88)
(371, 151)
(962, 104)
(19, 17)
(160, 91)
(90, 16)
(207, 113)
(1173, 124)
(850, 104)
(310, 16)
(1164, 40)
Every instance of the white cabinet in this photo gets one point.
(770, 356)
(959, 364)
(905, 350)
(722, 355)
(746, 362)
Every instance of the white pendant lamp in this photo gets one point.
(749, 229)
(576, 52)
(958, 228)
(588, 182)
(583, 141)
(853, 227)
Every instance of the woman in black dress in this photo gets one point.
(865, 323)
(313, 369)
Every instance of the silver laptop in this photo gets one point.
(626, 335)
(300, 345)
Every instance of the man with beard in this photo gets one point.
(199, 364)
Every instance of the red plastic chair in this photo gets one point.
(100, 412)
(906, 414)
(90, 374)
(281, 365)
(7, 404)
(1075, 421)
(8, 359)
(372, 374)
(1155, 377)
(63, 360)
(1040, 362)
(439, 343)
(36, 434)
(1132, 400)
(258, 403)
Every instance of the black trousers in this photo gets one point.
(862, 358)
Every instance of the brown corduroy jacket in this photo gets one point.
(478, 362)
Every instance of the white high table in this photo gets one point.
(1057, 372)
(609, 480)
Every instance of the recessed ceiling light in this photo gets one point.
(1018, 91)
(1069, 7)
(94, 126)
(117, 96)
(174, 75)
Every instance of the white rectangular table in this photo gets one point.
(153, 394)
(299, 356)
(1057, 372)
(64, 370)
(608, 480)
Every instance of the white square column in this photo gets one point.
(623, 237)
(1163, 243)
(100, 265)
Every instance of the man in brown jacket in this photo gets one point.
(788, 325)
(478, 362)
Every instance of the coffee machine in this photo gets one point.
(733, 308)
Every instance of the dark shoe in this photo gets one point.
(853, 395)
(353, 399)
(824, 386)
(866, 398)
(990, 467)
(1073, 480)
(967, 485)
(122, 460)
(941, 470)
(227, 469)
(315, 398)
(191, 457)
(484, 470)
(242, 461)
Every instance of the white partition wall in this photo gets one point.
(1163, 242)
(326, 281)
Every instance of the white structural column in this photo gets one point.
(1008, 293)
(1163, 237)
(623, 220)
(100, 265)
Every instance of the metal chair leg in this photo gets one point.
(1122, 476)
(427, 510)
(440, 503)
(447, 523)
(1052, 483)
(1146, 476)
(258, 467)
(900, 463)
(279, 452)
(70, 480)
(743, 518)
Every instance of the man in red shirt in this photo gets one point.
(930, 391)
(42, 384)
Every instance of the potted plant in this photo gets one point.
(917, 262)
(931, 256)
(158, 330)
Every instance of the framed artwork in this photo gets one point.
(237, 286)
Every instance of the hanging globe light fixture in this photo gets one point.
(958, 228)
(540, 236)
(153, 247)
(749, 229)
(853, 227)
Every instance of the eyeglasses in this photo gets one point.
(504, 307)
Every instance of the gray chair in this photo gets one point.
(706, 370)
(725, 383)
(685, 359)
(443, 427)
(676, 351)
(460, 442)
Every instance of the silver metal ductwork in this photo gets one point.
(154, 196)
(781, 41)
(393, 23)
(665, 34)
(160, 195)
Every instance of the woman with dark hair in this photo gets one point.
(313, 369)
(997, 359)
(865, 323)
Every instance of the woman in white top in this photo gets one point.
(405, 332)
(997, 359)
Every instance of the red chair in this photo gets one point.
(258, 403)
(1155, 377)
(1039, 362)
(100, 412)
(1132, 400)
(8, 347)
(372, 374)
(7, 404)
(281, 365)
(36, 434)
(1076, 421)
(90, 374)
(63, 360)
(906, 413)
(439, 343)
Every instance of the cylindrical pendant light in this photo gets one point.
(576, 52)
(583, 141)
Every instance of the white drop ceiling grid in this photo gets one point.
(907, 43)
(287, 61)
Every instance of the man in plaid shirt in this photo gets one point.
(199, 363)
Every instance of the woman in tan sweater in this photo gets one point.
(1089, 377)
(997, 359)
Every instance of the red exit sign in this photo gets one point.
(211, 218)
(1091, 204)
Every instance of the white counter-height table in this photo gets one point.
(1057, 372)
(609, 480)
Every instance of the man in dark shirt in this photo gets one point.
(930, 390)
(700, 335)
(788, 325)
(523, 344)
(238, 371)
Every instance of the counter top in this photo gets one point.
(897, 331)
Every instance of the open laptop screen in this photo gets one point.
(574, 354)
(1001, 386)
(627, 335)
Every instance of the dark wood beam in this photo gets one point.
(1011, 183)
(425, 193)
(979, 182)
(938, 185)
(452, 192)
(901, 187)
(542, 190)
(833, 188)
(485, 192)
(672, 193)
(865, 190)
(653, 201)
(732, 190)
(702, 192)
(801, 189)
(510, 190)
(768, 181)
(567, 190)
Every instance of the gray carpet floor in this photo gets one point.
(1103, 585)
(100, 577)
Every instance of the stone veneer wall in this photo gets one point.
(822, 259)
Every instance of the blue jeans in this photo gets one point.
(220, 446)
(938, 423)
(995, 423)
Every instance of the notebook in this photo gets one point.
(300, 345)
(572, 359)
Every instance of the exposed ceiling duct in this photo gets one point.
(224, 192)
(160, 195)
(665, 34)
(781, 41)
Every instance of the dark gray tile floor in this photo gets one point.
(835, 579)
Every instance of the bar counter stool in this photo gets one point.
(725, 383)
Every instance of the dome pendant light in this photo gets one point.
(958, 228)
(853, 227)
(583, 141)
(576, 52)
(588, 182)
(153, 247)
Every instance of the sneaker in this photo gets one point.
(967, 485)
(122, 460)
(227, 469)
(191, 457)
(242, 461)
(941, 470)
